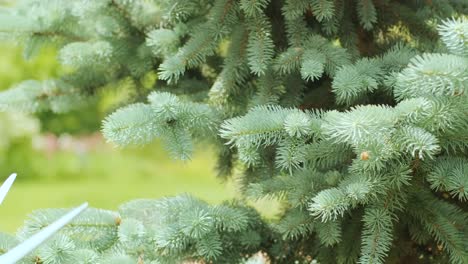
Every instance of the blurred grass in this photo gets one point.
(109, 177)
(14, 68)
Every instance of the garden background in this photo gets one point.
(61, 161)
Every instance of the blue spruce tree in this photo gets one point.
(353, 114)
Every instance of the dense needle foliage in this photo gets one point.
(353, 114)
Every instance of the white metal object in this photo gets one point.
(6, 186)
(23, 249)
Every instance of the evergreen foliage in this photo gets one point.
(353, 114)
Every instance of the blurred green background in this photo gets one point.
(61, 162)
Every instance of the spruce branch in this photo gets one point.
(367, 13)
(329, 204)
(293, 9)
(222, 16)
(377, 235)
(134, 124)
(35, 96)
(358, 123)
(418, 142)
(260, 48)
(258, 78)
(450, 174)
(454, 34)
(432, 75)
(313, 64)
(235, 71)
(435, 216)
(253, 8)
(296, 224)
(329, 233)
(352, 82)
(323, 9)
(123, 11)
(262, 125)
